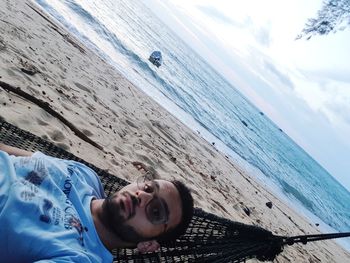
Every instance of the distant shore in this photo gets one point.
(91, 110)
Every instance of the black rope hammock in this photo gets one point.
(208, 239)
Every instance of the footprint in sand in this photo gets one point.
(130, 123)
(148, 146)
(45, 137)
(63, 146)
(28, 68)
(56, 136)
(82, 87)
(12, 73)
(146, 169)
(41, 122)
(165, 134)
(2, 45)
(119, 150)
(65, 106)
(87, 133)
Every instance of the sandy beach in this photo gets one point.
(100, 116)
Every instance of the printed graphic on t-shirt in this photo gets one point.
(36, 167)
(63, 214)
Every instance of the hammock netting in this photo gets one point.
(209, 238)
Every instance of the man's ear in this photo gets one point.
(148, 246)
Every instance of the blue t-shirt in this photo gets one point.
(45, 211)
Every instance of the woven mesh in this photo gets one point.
(209, 238)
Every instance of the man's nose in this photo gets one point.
(143, 197)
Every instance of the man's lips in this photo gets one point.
(128, 205)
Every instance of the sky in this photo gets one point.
(302, 85)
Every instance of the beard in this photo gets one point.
(115, 221)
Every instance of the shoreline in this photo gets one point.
(48, 63)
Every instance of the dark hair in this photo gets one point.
(187, 213)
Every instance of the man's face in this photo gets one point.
(133, 212)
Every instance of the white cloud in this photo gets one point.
(216, 15)
(328, 92)
(262, 36)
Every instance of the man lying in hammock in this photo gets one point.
(55, 210)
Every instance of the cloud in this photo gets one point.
(327, 74)
(262, 36)
(217, 15)
(341, 110)
(338, 102)
(260, 33)
(330, 89)
(282, 77)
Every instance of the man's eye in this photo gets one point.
(156, 213)
(148, 188)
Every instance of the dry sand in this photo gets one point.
(124, 125)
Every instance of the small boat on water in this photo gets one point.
(156, 58)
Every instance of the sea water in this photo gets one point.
(125, 33)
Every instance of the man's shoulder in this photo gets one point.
(88, 176)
